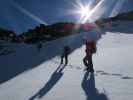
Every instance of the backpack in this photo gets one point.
(67, 49)
(91, 45)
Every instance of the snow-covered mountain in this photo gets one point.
(27, 74)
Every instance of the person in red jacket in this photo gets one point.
(90, 50)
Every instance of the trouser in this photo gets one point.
(87, 60)
(66, 59)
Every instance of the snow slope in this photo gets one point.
(31, 75)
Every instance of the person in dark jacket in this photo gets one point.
(90, 50)
(66, 52)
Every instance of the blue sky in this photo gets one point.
(20, 15)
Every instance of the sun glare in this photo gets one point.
(84, 11)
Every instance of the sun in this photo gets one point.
(81, 10)
(84, 11)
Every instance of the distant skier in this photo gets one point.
(39, 46)
(90, 50)
(66, 52)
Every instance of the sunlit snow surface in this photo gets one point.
(112, 79)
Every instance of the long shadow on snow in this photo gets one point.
(29, 60)
(88, 85)
(55, 77)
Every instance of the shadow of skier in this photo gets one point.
(55, 77)
(88, 85)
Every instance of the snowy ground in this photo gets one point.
(31, 75)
